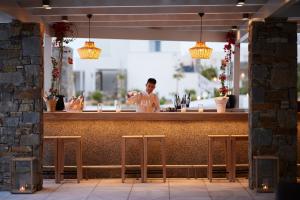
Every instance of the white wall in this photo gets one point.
(160, 66)
(47, 62)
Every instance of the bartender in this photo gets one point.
(146, 101)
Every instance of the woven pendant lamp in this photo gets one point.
(89, 50)
(200, 50)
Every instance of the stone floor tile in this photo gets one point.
(154, 189)
(109, 194)
(149, 194)
(4, 195)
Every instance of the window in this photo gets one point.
(106, 81)
(155, 46)
(79, 81)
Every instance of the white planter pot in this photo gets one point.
(221, 104)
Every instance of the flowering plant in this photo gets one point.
(226, 62)
(62, 30)
(222, 77)
(55, 78)
(230, 39)
(64, 33)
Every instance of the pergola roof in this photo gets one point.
(158, 19)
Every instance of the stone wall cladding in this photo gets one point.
(272, 96)
(21, 84)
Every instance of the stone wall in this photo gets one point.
(21, 84)
(273, 95)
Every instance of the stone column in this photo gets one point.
(273, 95)
(21, 86)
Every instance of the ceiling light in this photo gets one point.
(246, 16)
(234, 28)
(200, 50)
(65, 19)
(89, 50)
(46, 4)
(240, 3)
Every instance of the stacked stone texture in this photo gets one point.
(273, 95)
(21, 84)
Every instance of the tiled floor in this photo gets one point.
(113, 189)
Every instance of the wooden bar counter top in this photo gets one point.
(161, 116)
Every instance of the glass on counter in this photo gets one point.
(183, 107)
(200, 108)
(118, 107)
(99, 107)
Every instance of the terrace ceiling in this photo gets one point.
(157, 19)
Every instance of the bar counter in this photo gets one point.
(186, 138)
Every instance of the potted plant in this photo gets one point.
(222, 101)
(51, 99)
(64, 33)
(228, 49)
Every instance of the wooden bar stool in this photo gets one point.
(226, 140)
(123, 154)
(161, 138)
(234, 139)
(54, 140)
(78, 144)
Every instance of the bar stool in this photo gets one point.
(78, 144)
(123, 154)
(211, 140)
(234, 139)
(54, 140)
(161, 138)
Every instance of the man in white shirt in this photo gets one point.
(145, 101)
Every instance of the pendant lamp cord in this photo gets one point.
(201, 15)
(89, 16)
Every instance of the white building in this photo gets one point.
(140, 60)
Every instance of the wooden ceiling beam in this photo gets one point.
(122, 3)
(145, 10)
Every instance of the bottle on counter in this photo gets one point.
(177, 104)
(188, 100)
(183, 103)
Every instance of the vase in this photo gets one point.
(231, 101)
(221, 104)
(51, 105)
(60, 104)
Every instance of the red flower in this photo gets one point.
(70, 60)
(55, 73)
(222, 77)
(53, 91)
(230, 37)
(227, 46)
(62, 30)
(223, 90)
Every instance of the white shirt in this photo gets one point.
(145, 102)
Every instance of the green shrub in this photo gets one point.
(97, 96)
(162, 101)
(192, 92)
(209, 73)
